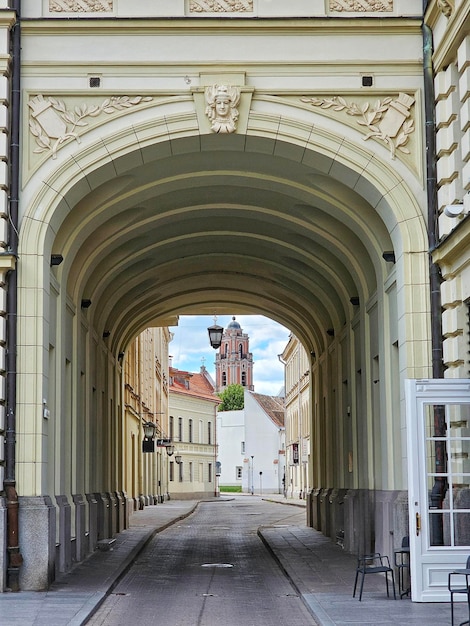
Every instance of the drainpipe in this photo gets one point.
(13, 550)
(440, 484)
(431, 181)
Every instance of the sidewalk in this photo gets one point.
(322, 573)
(73, 598)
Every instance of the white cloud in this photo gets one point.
(267, 339)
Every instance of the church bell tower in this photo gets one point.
(234, 361)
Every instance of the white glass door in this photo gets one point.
(438, 433)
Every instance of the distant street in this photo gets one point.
(210, 569)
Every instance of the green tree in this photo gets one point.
(233, 398)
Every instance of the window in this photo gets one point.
(244, 379)
(171, 427)
(210, 472)
(190, 434)
(201, 431)
(224, 379)
(172, 471)
(243, 447)
(190, 472)
(180, 468)
(238, 472)
(180, 428)
(209, 433)
(240, 350)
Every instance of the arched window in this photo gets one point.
(244, 379)
(240, 350)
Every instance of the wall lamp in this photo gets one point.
(178, 458)
(56, 259)
(389, 257)
(85, 303)
(149, 441)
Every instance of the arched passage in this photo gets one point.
(151, 224)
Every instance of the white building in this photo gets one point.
(252, 445)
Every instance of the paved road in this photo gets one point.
(210, 569)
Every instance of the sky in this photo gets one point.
(190, 346)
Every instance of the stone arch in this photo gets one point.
(331, 150)
(139, 212)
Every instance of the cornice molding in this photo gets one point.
(7, 19)
(356, 26)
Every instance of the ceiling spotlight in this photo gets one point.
(354, 300)
(85, 303)
(56, 259)
(330, 332)
(389, 257)
(106, 334)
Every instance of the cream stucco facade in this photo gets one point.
(176, 161)
(146, 399)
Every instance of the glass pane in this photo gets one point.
(435, 424)
(462, 529)
(439, 529)
(460, 458)
(461, 497)
(447, 449)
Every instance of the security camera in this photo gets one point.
(453, 210)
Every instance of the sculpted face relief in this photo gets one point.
(221, 109)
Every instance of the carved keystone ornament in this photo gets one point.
(221, 109)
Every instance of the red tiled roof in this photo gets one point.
(272, 406)
(190, 384)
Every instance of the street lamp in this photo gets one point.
(215, 334)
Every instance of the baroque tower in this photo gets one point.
(234, 362)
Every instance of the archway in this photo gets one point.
(161, 219)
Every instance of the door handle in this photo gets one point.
(418, 524)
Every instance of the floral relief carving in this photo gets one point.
(389, 120)
(52, 124)
(221, 109)
(80, 6)
(446, 6)
(220, 6)
(361, 6)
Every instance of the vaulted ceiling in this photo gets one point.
(231, 229)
